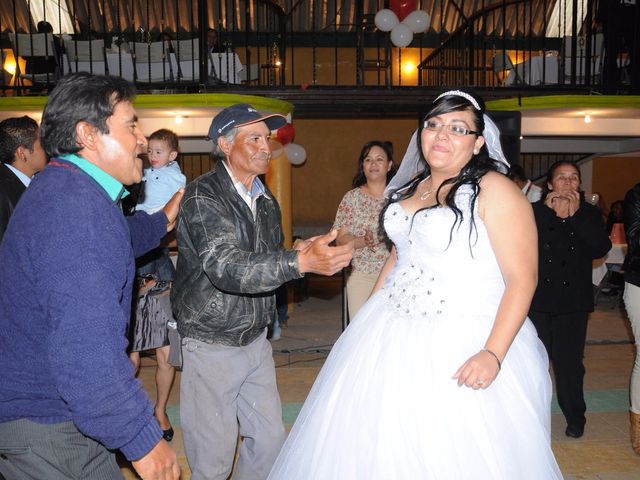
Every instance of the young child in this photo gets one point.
(160, 181)
(155, 271)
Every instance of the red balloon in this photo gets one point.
(402, 8)
(286, 134)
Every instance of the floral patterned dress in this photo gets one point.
(357, 213)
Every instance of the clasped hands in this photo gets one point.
(564, 204)
(479, 371)
(370, 239)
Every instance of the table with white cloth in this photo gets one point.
(121, 65)
(613, 260)
(226, 66)
(540, 70)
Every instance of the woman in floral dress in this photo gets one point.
(358, 218)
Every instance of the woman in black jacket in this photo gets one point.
(632, 300)
(571, 234)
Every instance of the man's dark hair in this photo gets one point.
(16, 132)
(44, 27)
(76, 98)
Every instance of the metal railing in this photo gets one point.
(163, 45)
(483, 53)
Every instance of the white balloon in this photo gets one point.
(385, 20)
(418, 21)
(295, 153)
(401, 35)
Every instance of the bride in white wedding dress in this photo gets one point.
(440, 375)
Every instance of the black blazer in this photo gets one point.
(566, 249)
(11, 188)
(632, 232)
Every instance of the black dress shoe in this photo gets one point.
(168, 434)
(574, 431)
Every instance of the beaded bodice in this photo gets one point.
(440, 269)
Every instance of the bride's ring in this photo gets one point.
(479, 383)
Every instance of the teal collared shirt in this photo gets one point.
(113, 187)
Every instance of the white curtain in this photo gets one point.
(53, 11)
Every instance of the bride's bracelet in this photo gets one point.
(494, 356)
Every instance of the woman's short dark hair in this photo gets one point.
(360, 178)
(552, 171)
(80, 97)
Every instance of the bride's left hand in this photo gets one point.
(479, 371)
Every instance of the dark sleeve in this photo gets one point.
(632, 218)
(212, 232)
(6, 208)
(602, 12)
(590, 229)
(146, 231)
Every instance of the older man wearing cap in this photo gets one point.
(230, 262)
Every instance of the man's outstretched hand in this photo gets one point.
(316, 256)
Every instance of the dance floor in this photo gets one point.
(603, 453)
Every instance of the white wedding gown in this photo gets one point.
(384, 405)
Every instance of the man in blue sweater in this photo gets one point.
(68, 394)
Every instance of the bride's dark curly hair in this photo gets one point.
(471, 174)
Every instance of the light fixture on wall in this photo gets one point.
(10, 66)
(179, 119)
(275, 55)
(587, 118)
(408, 67)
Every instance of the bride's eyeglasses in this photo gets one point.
(457, 130)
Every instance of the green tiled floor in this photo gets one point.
(616, 400)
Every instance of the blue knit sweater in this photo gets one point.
(66, 279)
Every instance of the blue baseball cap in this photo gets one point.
(240, 115)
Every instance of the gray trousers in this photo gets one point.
(59, 451)
(225, 391)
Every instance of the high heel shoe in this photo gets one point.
(168, 434)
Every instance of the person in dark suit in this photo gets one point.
(618, 20)
(212, 41)
(22, 156)
(571, 234)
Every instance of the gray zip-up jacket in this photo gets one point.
(228, 263)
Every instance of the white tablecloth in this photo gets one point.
(227, 68)
(535, 71)
(615, 257)
(120, 65)
(68, 66)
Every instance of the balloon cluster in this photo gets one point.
(403, 21)
(296, 154)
